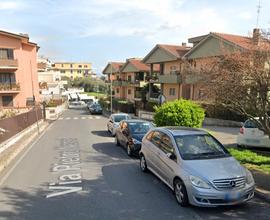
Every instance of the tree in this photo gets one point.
(240, 81)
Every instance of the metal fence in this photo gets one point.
(12, 126)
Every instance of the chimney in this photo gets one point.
(256, 36)
(184, 44)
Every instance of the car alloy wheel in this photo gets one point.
(180, 192)
(143, 164)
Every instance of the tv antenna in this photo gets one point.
(259, 6)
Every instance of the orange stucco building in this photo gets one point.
(18, 71)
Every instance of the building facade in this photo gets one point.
(18, 71)
(73, 70)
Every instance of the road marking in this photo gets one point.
(23, 155)
(61, 118)
(67, 118)
(75, 118)
(97, 117)
(83, 117)
(90, 117)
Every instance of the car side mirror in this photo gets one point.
(172, 156)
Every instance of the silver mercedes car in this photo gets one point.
(196, 167)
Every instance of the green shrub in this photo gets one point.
(179, 113)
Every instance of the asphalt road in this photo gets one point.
(74, 171)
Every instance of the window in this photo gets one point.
(117, 90)
(117, 77)
(62, 65)
(6, 54)
(62, 71)
(85, 66)
(186, 89)
(71, 65)
(7, 78)
(79, 71)
(80, 66)
(7, 100)
(156, 138)
(172, 68)
(172, 92)
(166, 144)
(129, 91)
(71, 71)
(129, 78)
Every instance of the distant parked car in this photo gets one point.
(250, 134)
(196, 167)
(95, 108)
(76, 105)
(114, 121)
(130, 134)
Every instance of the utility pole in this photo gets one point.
(34, 98)
(111, 89)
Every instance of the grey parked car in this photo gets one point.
(196, 167)
(114, 121)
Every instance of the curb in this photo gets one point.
(262, 194)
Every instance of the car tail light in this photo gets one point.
(242, 130)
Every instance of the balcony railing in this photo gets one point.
(8, 64)
(9, 87)
(170, 78)
(192, 78)
(117, 83)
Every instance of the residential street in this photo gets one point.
(77, 155)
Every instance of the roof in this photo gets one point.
(23, 37)
(174, 51)
(242, 41)
(115, 67)
(139, 65)
(179, 131)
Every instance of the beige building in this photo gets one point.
(73, 70)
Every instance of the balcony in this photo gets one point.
(192, 78)
(133, 83)
(117, 83)
(9, 64)
(9, 88)
(170, 78)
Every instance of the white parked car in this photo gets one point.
(76, 105)
(251, 135)
(114, 121)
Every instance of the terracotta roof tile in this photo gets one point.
(142, 66)
(176, 50)
(117, 65)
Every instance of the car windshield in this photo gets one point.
(118, 118)
(196, 147)
(139, 127)
(252, 124)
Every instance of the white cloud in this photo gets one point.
(9, 5)
(153, 20)
(246, 15)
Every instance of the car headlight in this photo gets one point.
(249, 177)
(198, 182)
(135, 141)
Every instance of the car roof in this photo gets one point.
(116, 114)
(182, 131)
(135, 120)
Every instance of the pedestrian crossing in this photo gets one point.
(80, 118)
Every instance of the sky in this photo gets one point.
(99, 31)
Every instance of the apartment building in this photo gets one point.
(112, 71)
(134, 76)
(18, 70)
(169, 58)
(73, 70)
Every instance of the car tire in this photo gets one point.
(117, 143)
(143, 164)
(180, 193)
(129, 150)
